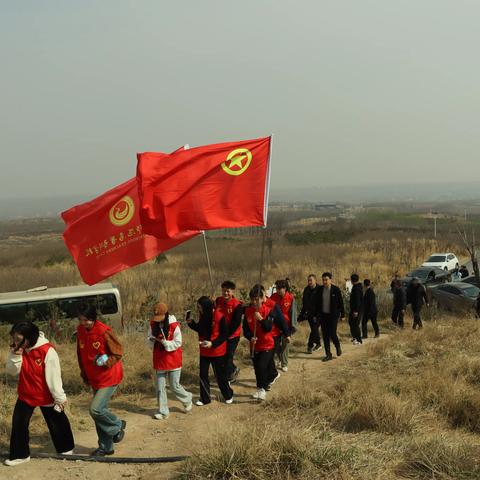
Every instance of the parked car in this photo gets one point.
(472, 280)
(445, 261)
(456, 297)
(427, 276)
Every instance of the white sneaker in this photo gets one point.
(229, 401)
(356, 342)
(70, 452)
(260, 394)
(199, 403)
(160, 416)
(188, 407)
(284, 369)
(275, 379)
(16, 461)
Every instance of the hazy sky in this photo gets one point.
(356, 91)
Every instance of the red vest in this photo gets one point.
(265, 339)
(221, 350)
(227, 309)
(163, 360)
(271, 304)
(32, 386)
(285, 303)
(90, 344)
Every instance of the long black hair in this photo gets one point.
(206, 316)
(29, 332)
(157, 328)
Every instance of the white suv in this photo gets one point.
(447, 261)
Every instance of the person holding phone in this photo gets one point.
(100, 359)
(165, 338)
(37, 365)
(212, 335)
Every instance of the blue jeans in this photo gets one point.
(174, 381)
(106, 423)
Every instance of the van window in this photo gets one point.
(106, 304)
(13, 313)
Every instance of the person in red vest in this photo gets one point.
(286, 301)
(212, 334)
(232, 310)
(258, 323)
(165, 338)
(36, 362)
(99, 356)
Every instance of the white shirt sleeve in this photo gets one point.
(176, 343)
(53, 376)
(14, 364)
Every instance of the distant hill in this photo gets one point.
(418, 192)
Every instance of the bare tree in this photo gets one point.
(470, 246)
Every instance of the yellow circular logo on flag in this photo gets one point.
(237, 161)
(122, 212)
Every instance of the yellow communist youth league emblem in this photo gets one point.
(237, 161)
(122, 212)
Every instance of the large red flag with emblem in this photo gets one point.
(105, 235)
(204, 188)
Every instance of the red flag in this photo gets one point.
(204, 188)
(105, 235)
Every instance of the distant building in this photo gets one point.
(326, 206)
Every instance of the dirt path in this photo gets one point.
(181, 433)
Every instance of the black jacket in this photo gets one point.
(356, 298)
(337, 308)
(204, 330)
(370, 302)
(309, 303)
(399, 298)
(416, 296)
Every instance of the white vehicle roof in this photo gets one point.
(448, 253)
(45, 293)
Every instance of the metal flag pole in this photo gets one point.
(208, 262)
(264, 234)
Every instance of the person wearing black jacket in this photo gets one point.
(370, 310)
(399, 303)
(330, 309)
(356, 309)
(309, 313)
(212, 334)
(416, 297)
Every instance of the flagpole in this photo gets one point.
(208, 262)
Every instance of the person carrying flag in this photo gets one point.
(165, 339)
(286, 301)
(100, 359)
(212, 335)
(232, 310)
(37, 365)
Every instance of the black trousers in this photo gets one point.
(272, 370)
(57, 423)
(417, 321)
(329, 323)
(373, 318)
(354, 323)
(219, 369)
(232, 344)
(262, 365)
(314, 337)
(397, 316)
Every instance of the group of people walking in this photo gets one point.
(268, 324)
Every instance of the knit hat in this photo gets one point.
(159, 311)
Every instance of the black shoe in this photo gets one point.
(339, 351)
(317, 347)
(119, 436)
(310, 350)
(327, 358)
(377, 335)
(364, 336)
(101, 453)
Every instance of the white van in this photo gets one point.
(57, 305)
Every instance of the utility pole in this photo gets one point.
(434, 227)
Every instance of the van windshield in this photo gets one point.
(436, 259)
